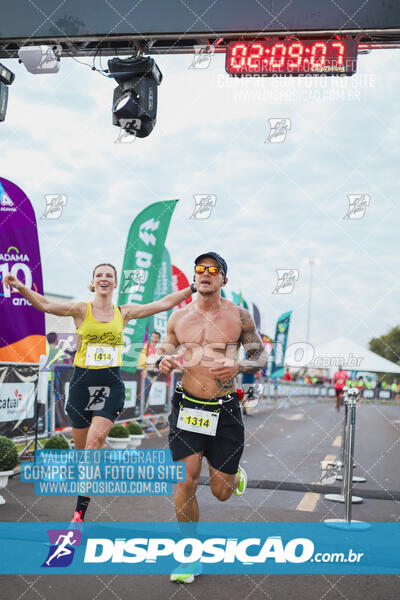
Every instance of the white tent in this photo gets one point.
(351, 356)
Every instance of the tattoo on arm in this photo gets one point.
(257, 356)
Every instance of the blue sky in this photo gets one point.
(276, 203)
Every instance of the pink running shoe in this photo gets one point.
(77, 518)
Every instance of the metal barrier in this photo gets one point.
(285, 394)
(340, 463)
(23, 415)
(347, 497)
(348, 393)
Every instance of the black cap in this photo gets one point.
(222, 264)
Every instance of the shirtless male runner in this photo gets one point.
(205, 419)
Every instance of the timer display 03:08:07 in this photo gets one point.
(289, 57)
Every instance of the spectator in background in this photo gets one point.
(359, 384)
(394, 388)
(149, 350)
(339, 382)
(53, 351)
(287, 376)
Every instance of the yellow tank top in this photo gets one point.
(94, 333)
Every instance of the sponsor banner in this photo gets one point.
(130, 394)
(257, 317)
(159, 321)
(279, 346)
(180, 282)
(20, 420)
(214, 548)
(158, 394)
(17, 401)
(142, 261)
(267, 341)
(239, 300)
(22, 326)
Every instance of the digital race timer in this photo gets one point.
(292, 57)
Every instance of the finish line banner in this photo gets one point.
(218, 548)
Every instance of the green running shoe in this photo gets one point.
(242, 482)
(186, 572)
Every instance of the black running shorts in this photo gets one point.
(223, 450)
(95, 393)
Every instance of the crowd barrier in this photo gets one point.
(294, 389)
(23, 414)
(30, 407)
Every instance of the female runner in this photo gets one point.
(96, 390)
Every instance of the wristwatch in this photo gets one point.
(193, 288)
(157, 363)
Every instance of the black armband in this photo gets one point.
(193, 288)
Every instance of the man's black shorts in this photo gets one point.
(95, 393)
(222, 450)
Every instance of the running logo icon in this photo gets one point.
(55, 203)
(133, 278)
(128, 132)
(252, 394)
(62, 547)
(286, 281)
(203, 205)
(357, 206)
(278, 129)
(328, 473)
(202, 57)
(49, 59)
(98, 397)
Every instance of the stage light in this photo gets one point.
(135, 98)
(6, 76)
(3, 101)
(6, 79)
(40, 59)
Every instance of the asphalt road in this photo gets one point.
(285, 445)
